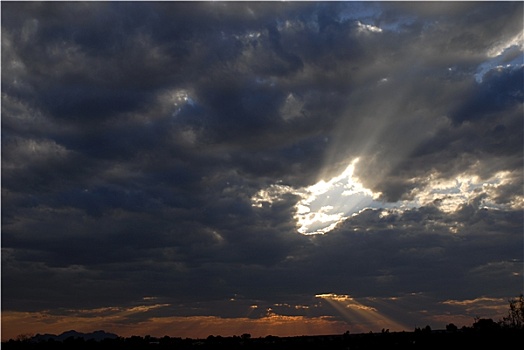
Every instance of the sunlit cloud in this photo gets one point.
(335, 297)
(501, 46)
(476, 301)
(116, 311)
(325, 204)
(450, 194)
(270, 195)
(296, 307)
(368, 28)
(503, 55)
(484, 307)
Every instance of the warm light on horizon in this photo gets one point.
(357, 315)
(196, 327)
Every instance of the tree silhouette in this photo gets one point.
(451, 328)
(485, 325)
(515, 318)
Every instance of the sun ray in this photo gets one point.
(356, 313)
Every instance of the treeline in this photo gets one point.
(419, 339)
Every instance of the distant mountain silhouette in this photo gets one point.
(420, 339)
(97, 336)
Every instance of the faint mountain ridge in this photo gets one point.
(96, 336)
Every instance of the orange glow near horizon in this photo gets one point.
(197, 327)
(357, 316)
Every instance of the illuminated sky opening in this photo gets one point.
(325, 204)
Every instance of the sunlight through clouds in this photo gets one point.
(355, 312)
(325, 204)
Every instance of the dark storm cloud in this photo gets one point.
(134, 136)
(500, 90)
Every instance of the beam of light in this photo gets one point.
(250, 310)
(360, 315)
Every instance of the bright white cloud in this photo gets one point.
(336, 297)
(270, 195)
(368, 28)
(324, 205)
(450, 194)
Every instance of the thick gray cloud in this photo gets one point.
(136, 135)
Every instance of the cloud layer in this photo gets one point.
(157, 154)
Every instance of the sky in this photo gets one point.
(272, 168)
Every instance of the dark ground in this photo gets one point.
(465, 339)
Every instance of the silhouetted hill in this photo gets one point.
(96, 336)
